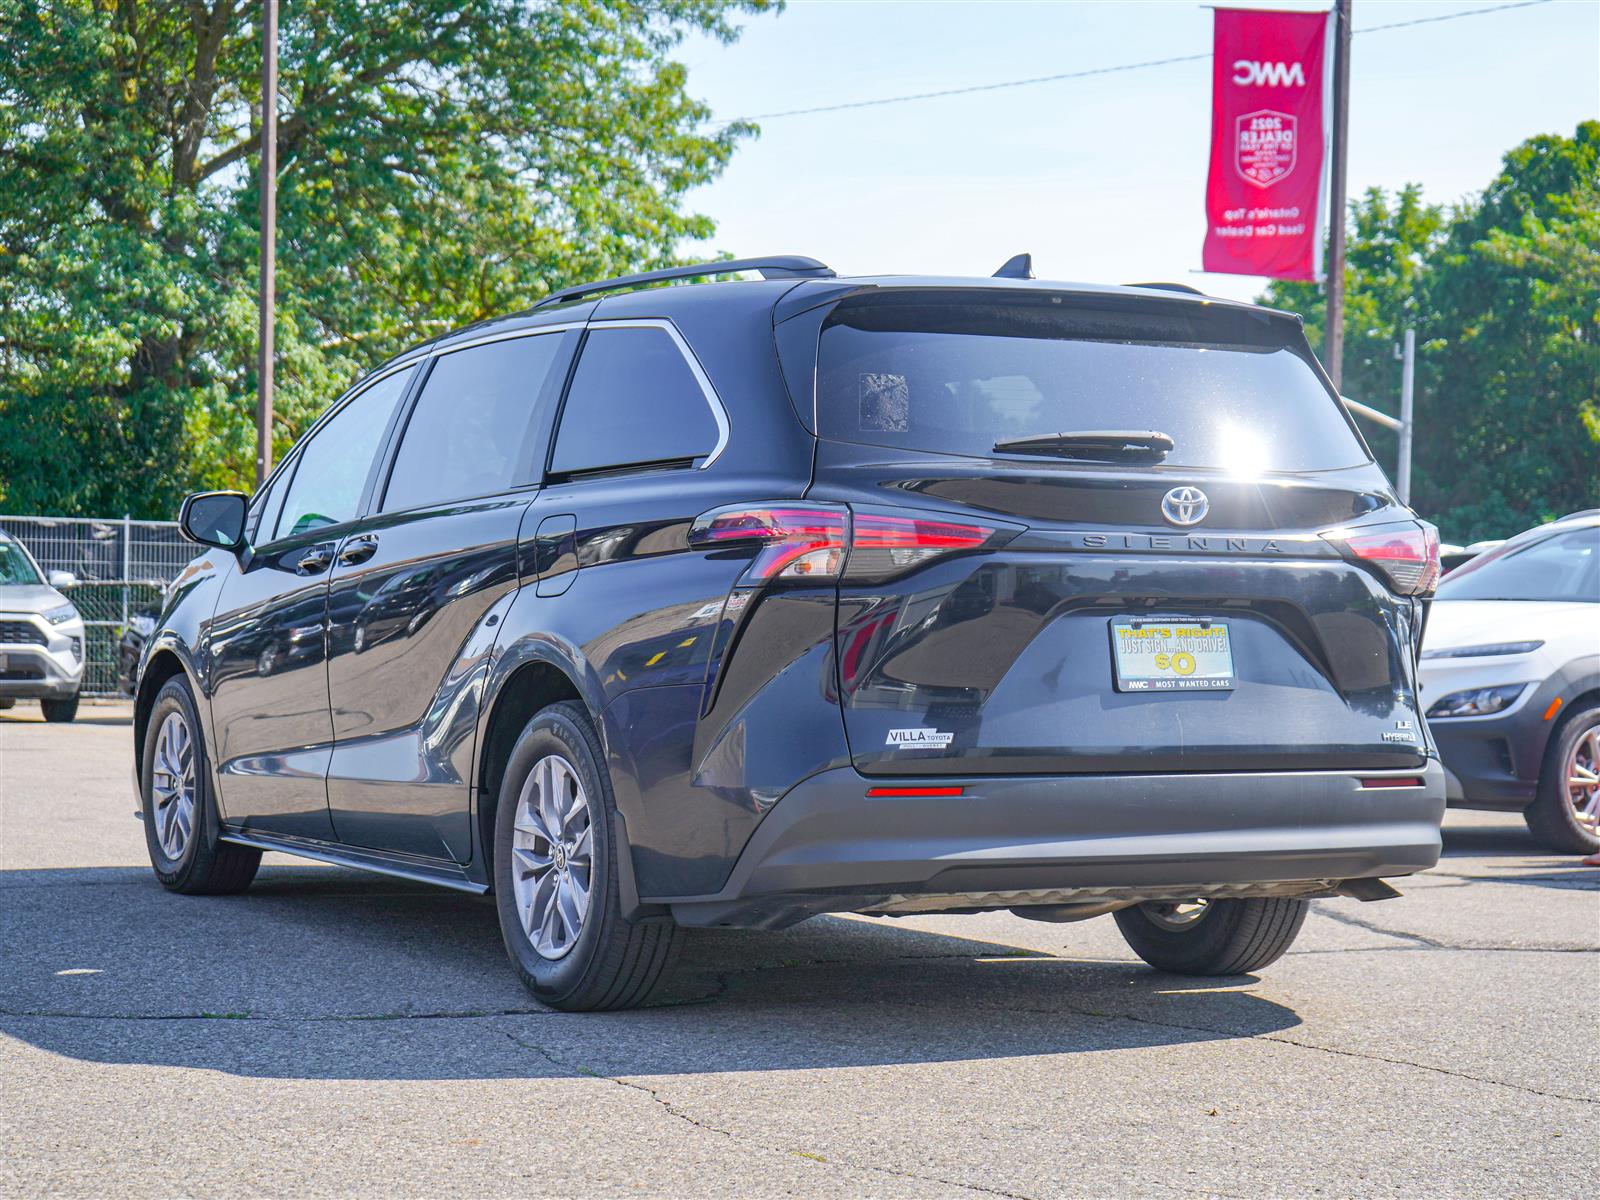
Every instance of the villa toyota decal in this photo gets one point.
(1185, 506)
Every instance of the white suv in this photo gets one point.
(41, 635)
(1510, 681)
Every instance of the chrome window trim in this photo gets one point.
(505, 335)
(719, 414)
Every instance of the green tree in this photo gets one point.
(1504, 294)
(439, 161)
(1388, 242)
(1512, 433)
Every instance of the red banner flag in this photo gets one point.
(1267, 125)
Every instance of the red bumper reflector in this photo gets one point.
(1408, 781)
(915, 791)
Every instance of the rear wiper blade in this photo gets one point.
(1094, 445)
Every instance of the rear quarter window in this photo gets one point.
(634, 401)
(955, 377)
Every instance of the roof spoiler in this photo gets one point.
(1170, 287)
(782, 266)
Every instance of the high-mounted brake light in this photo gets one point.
(820, 541)
(1407, 554)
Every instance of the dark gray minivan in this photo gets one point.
(734, 603)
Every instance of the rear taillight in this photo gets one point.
(797, 542)
(1406, 554)
(881, 544)
(818, 541)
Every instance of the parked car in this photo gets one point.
(1511, 681)
(1452, 556)
(731, 604)
(130, 646)
(41, 635)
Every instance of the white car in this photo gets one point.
(1510, 681)
(41, 635)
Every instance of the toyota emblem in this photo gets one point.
(1185, 506)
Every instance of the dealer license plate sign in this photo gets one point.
(1171, 654)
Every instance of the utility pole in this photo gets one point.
(269, 222)
(1333, 339)
(1408, 375)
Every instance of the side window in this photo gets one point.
(264, 508)
(468, 432)
(633, 400)
(334, 463)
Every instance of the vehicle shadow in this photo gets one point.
(320, 973)
(1511, 840)
(29, 714)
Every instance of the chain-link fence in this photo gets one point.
(121, 567)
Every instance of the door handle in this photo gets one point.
(359, 549)
(314, 560)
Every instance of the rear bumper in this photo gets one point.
(827, 847)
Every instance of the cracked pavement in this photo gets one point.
(333, 1033)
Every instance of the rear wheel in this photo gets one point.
(1212, 937)
(1566, 815)
(180, 825)
(57, 711)
(555, 874)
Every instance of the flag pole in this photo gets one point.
(1333, 338)
(269, 220)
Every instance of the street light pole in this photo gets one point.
(1333, 339)
(269, 221)
(1408, 376)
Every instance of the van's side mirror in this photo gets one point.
(214, 519)
(62, 579)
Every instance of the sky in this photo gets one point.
(1101, 179)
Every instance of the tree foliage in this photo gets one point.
(439, 161)
(1504, 293)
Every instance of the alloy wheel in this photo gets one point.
(1176, 915)
(1582, 773)
(552, 851)
(172, 785)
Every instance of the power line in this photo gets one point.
(1135, 66)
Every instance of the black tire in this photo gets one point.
(613, 962)
(1551, 818)
(205, 865)
(1229, 937)
(60, 711)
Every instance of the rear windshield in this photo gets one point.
(957, 376)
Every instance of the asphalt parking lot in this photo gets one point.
(332, 1033)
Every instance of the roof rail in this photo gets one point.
(782, 266)
(1170, 287)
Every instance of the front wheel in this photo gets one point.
(555, 874)
(1565, 817)
(1212, 937)
(180, 826)
(58, 711)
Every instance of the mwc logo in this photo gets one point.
(1268, 74)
